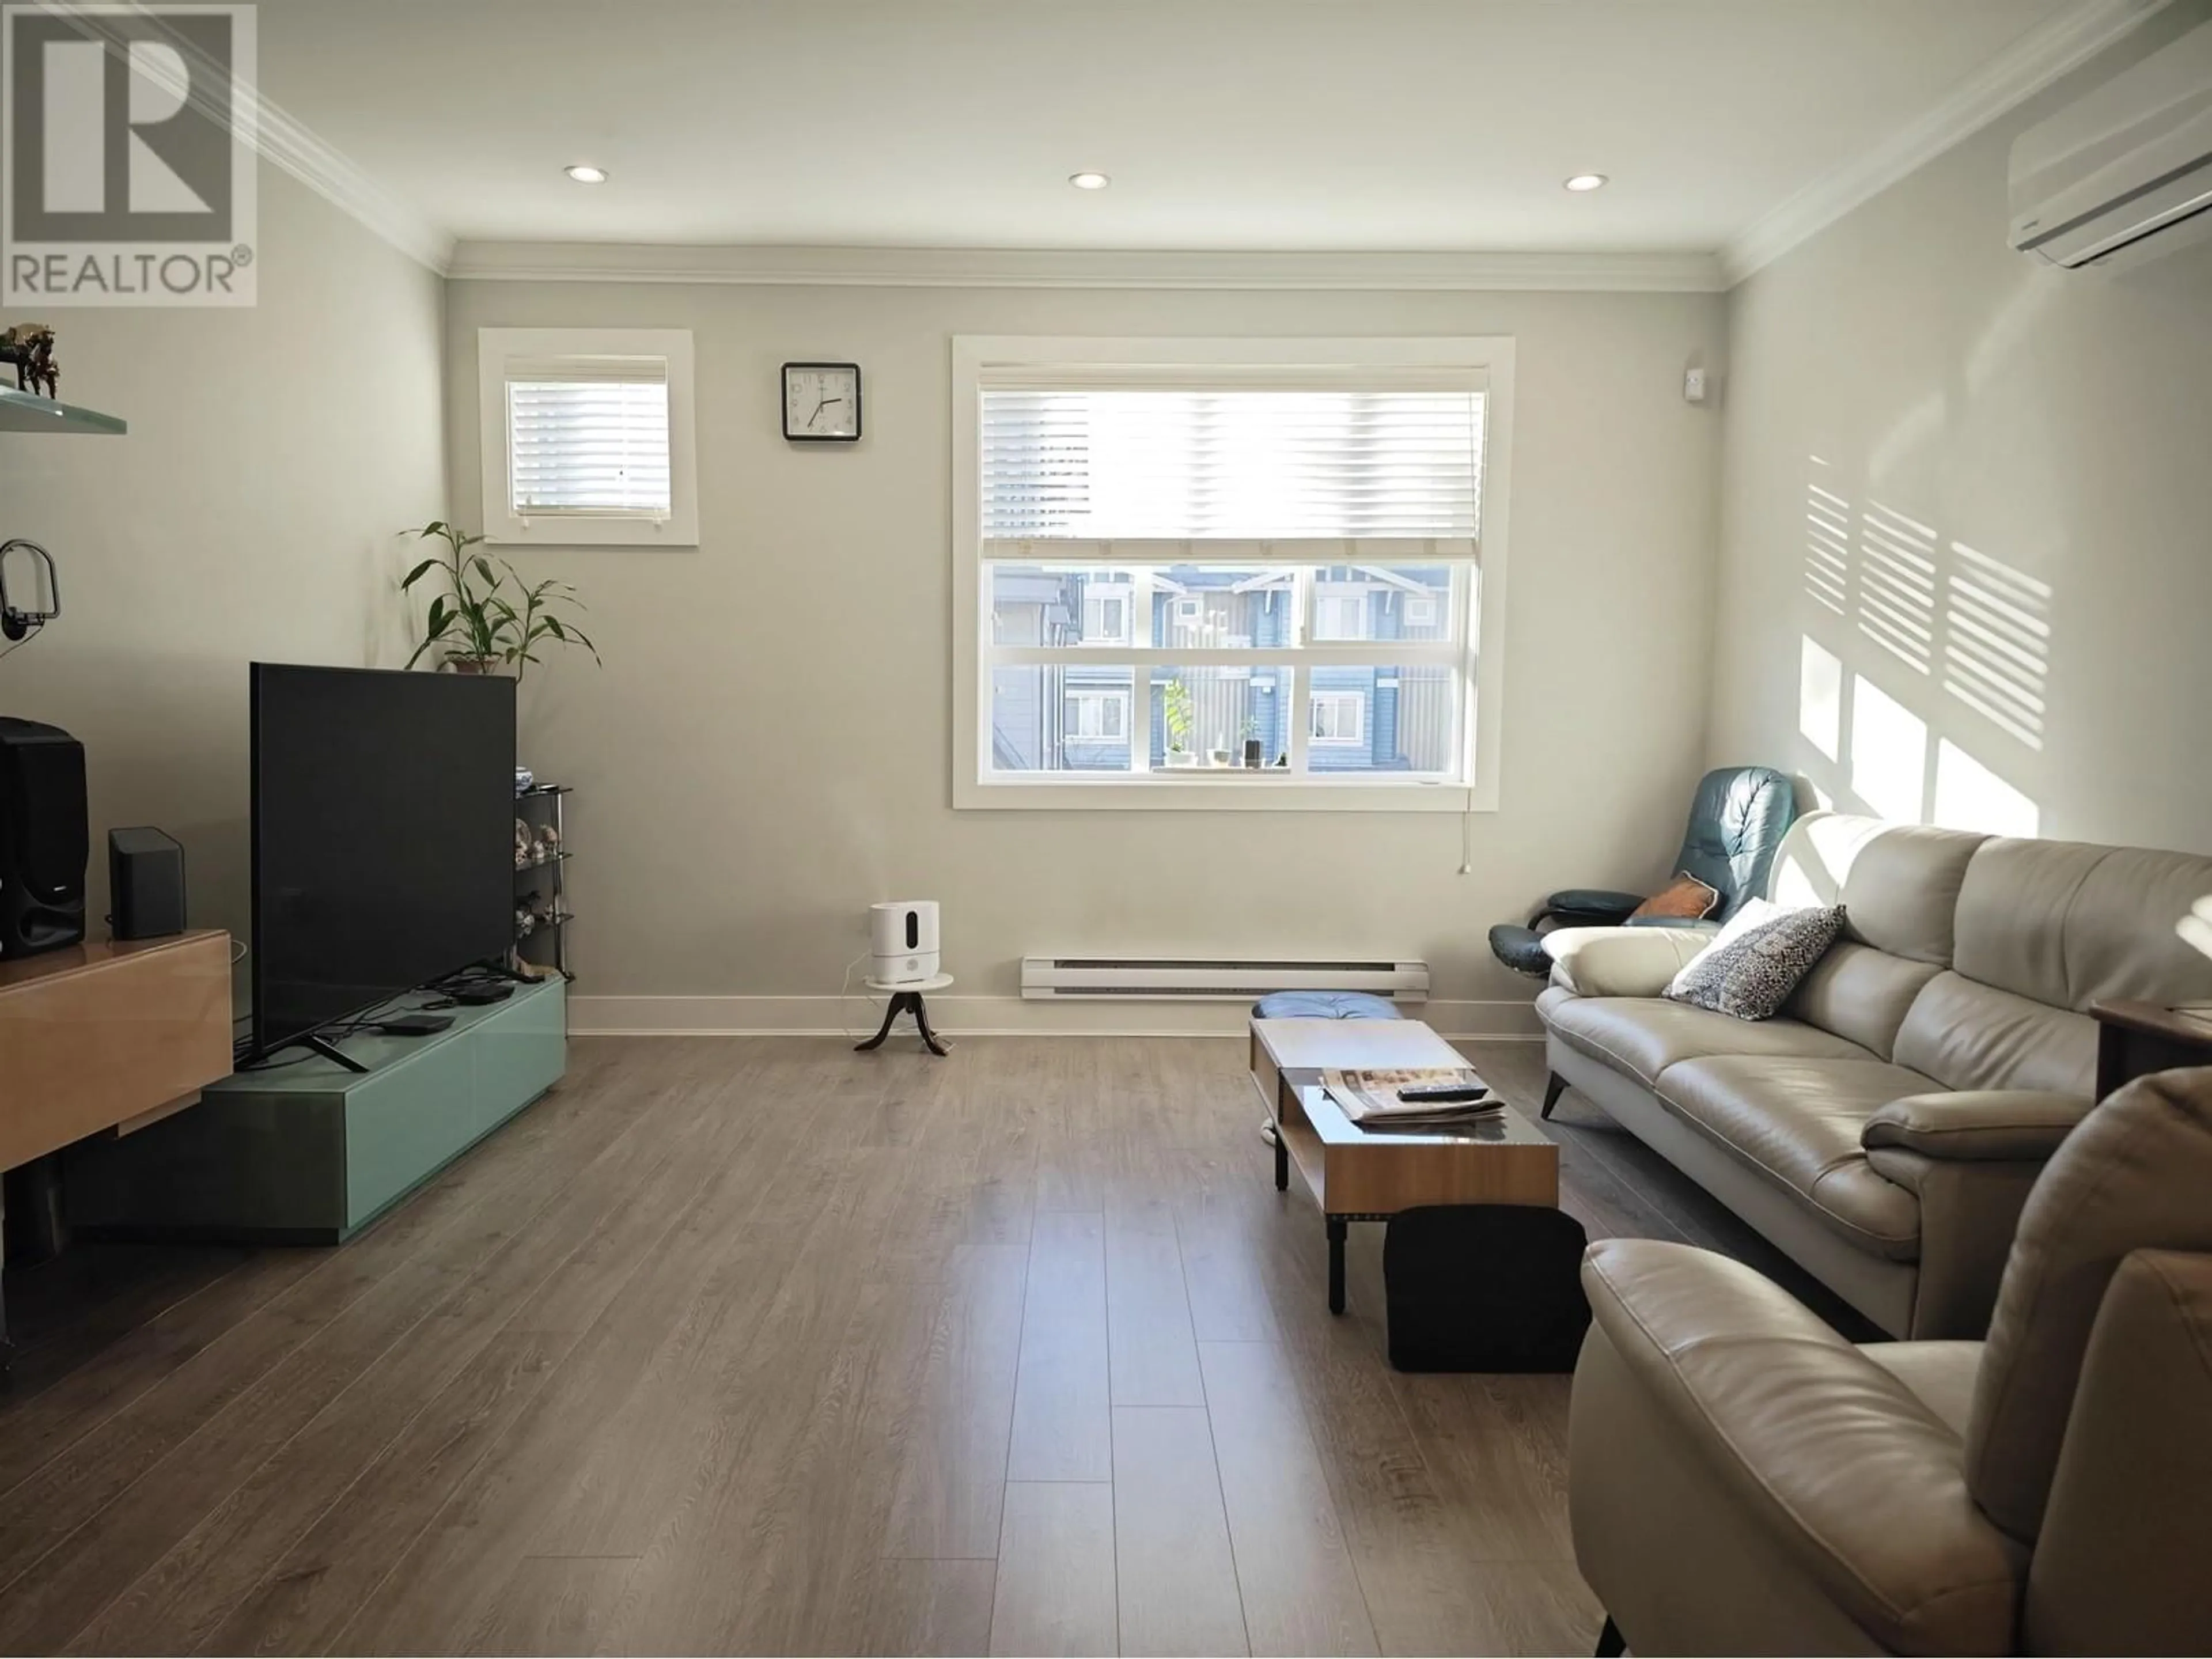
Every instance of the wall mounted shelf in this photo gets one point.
(25, 411)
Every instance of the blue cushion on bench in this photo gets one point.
(1324, 1005)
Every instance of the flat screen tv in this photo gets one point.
(383, 838)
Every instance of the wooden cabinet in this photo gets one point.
(99, 1037)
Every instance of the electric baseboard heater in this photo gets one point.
(1180, 979)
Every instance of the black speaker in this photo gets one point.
(44, 842)
(145, 884)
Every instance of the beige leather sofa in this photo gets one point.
(1744, 1480)
(1885, 1130)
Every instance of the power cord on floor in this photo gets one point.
(845, 998)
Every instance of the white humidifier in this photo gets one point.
(903, 944)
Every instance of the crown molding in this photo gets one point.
(287, 143)
(916, 267)
(2061, 43)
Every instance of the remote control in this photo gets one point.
(1442, 1094)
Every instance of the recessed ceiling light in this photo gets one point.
(1088, 180)
(1582, 181)
(584, 175)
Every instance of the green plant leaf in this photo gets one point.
(417, 573)
(484, 569)
(437, 626)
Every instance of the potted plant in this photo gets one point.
(1175, 702)
(489, 619)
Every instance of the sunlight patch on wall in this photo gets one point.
(1996, 643)
(1827, 545)
(1969, 796)
(1897, 586)
(1820, 697)
(1889, 753)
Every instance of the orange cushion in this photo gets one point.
(1684, 898)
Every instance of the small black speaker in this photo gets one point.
(145, 884)
(43, 840)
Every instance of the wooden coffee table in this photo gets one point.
(1354, 1175)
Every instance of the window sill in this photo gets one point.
(1181, 792)
(587, 530)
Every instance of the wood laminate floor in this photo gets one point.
(757, 1345)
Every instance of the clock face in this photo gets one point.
(821, 401)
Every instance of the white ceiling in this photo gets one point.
(1332, 125)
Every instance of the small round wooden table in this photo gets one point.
(906, 998)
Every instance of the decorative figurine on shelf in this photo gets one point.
(526, 920)
(549, 844)
(525, 850)
(30, 347)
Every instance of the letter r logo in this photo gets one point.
(120, 122)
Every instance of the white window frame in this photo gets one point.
(1099, 696)
(1355, 700)
(1483, 592)
(1421, 613)
(497, 348)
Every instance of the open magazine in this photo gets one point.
(1370, 1099)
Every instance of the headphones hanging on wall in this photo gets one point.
(19, 624)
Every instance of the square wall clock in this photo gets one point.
(822, 403)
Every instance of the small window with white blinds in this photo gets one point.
(1277, 553)
(588, 436)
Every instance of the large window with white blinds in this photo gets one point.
(1279, 561)
(587, 436)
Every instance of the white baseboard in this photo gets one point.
(976, 1016)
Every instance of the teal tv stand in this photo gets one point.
(306, 1152)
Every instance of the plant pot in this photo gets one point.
(457, 663)
(1216, 757)
(1180, 759)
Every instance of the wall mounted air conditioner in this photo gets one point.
(1176, 979)
(2124, 172)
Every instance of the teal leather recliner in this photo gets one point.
(1736, 824)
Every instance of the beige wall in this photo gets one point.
(2008, 470)
(247, 513)
(767, 748)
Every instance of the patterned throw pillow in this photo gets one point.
(1750, 969)
(1684, 898)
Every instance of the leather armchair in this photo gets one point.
(1736, 824)
(1743, 1480)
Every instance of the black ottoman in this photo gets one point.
(1485, 1287)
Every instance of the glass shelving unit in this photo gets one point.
(542, 884)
